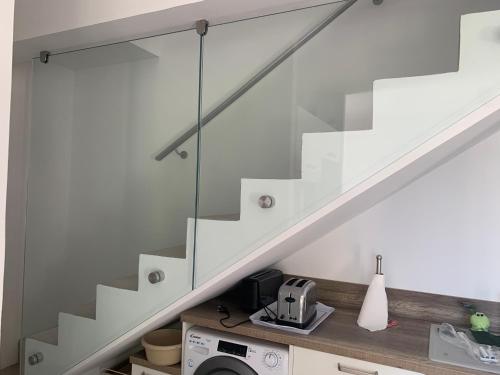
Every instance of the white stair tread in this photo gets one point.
(129, 282)
(222, 217)
(178, 251)
(49, 336)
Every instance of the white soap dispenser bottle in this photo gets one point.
(374, 312)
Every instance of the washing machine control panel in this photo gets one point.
(264, 358)
(272, 359)
(233, 348)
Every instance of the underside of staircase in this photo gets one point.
(418, 123)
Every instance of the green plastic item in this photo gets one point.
(480, 326)
(479, 322)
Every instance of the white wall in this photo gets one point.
(6, 37)
(441, 234)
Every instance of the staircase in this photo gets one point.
(417, 123)
(120, 307)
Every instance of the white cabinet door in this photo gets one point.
(140, 370)
(308, 362)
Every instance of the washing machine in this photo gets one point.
(209, 352)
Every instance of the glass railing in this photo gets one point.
(102, 212)
(130, 192)
(329, 117)
(254, 147)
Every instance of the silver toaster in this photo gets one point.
(297, 303)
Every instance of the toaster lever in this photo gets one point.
(290, 299)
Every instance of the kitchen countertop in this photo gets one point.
(405, 346)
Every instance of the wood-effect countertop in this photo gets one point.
(405, 346)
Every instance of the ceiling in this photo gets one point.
(42, 29)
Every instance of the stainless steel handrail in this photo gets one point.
(254, 80)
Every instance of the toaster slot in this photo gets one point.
(301, 283)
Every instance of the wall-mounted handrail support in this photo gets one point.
(202, 27)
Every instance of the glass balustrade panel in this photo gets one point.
(107, 223)
(348, 103)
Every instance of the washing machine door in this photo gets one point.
(222, 365)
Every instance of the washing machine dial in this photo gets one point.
(271, 360)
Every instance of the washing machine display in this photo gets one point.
(209, 352)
